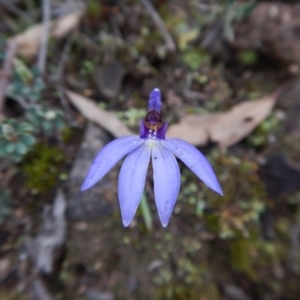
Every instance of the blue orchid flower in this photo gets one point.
(150, 145)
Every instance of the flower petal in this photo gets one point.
(132, 181)
(154, 102)
(195, 160)
(166, 181)
(108, 157)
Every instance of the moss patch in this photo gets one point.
(42, 168)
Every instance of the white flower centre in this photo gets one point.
(152, 142)
(152, 134)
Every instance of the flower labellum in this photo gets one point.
(139, 150)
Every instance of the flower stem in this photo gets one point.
(145, 209)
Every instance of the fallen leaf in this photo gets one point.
(94, 113)
(28, 42)
(194, 129)
(226, 128)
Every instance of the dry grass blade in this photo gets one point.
(94, 113)
(171, 46)
(45, 36)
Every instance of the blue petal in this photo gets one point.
(195, 160)
(166, 181)
(108, 157)
(154, 102)
(132, 181)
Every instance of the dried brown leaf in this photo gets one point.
(28, 42)
(226, 128)
(94, 113)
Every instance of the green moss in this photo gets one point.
(195, 58)
(176, 292)
(241, 253)
(184, 292)
(93, 9)
(252, 253)
(244, 196)
(240, 207)
(12, 295)
(248, 57)
(66, 134)
(42, 168)
(264, 133)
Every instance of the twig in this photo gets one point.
(14, 9)
(66, 106)
(115, 26)
(58, 79)
(171, 46)
(60, 8)
(45, 36)
(6, 72)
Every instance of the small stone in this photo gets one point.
(81, 226)
(109, 79)
(235, 293)
(98, 295)
(4, 267)
(155, 264)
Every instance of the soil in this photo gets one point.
(242, 246)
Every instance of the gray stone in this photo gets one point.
(94, 202)
(233, 292)
(109, 79)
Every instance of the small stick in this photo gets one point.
(45, 36)
(58, 78)
(171, 46)
(14, 9)
(6, 72)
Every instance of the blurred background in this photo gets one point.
(77, 74)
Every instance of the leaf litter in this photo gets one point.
(225, 128)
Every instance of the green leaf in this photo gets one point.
(16, 157)
(5, 203)
(47, 127)
(27, 139)
(244, 10)
(10, 148)
(21, 148)
(34, 96)
(22, 70)
(39, 84)
(2, 149)
(59, 124)
(25, 127)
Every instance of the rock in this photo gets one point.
(281, 178)
(109, 79)
(4, 267)
(98, 295)
(155, 264)
(92, 203)
(273, 28)
(234, 293)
